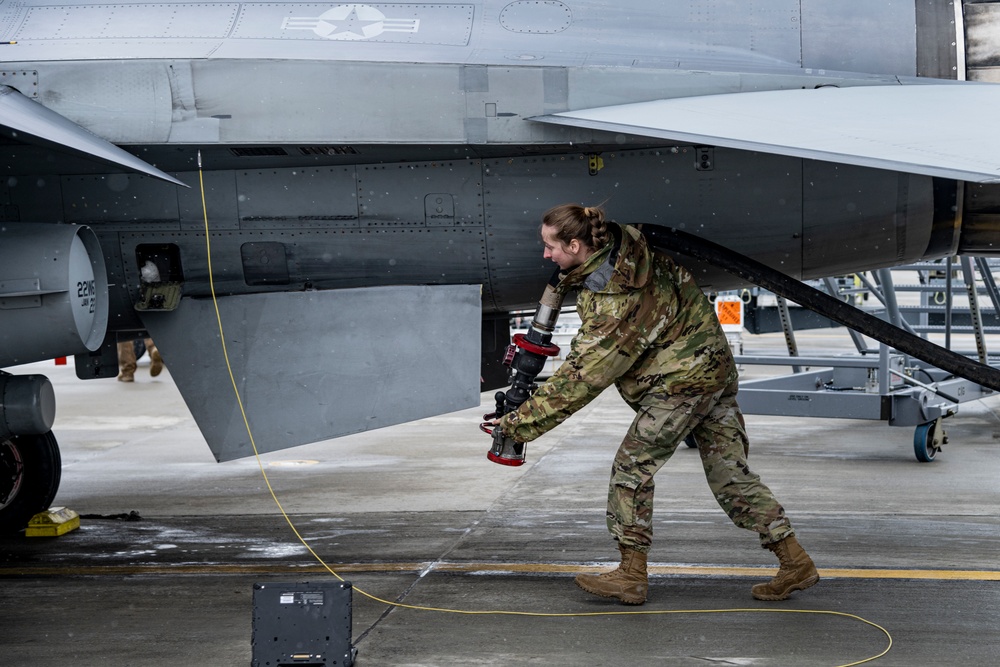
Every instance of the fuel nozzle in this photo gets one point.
(526, 356)
(506, 451)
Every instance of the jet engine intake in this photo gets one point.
(53, 292)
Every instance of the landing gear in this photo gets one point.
(928, 439)
(30, 469)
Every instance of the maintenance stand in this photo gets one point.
(883, 383)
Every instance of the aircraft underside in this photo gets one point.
(326, 262)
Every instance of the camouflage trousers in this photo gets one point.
(717, 425)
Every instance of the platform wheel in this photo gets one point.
(927, 440)
(30, 470)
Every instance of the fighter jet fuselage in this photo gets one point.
(343, 160)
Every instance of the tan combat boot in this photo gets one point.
(126, 361)
(797, 571)
(155, 360)
(627, 582)
(127, 373)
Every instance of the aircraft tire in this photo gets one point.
(30, 470)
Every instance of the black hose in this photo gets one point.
(752, 271)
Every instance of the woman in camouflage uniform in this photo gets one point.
(649, 329)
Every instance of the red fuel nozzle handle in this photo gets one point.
(486, 426)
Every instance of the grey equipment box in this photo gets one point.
(303, 624)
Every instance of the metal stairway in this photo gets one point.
(957, 296)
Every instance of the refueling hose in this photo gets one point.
(741, 266)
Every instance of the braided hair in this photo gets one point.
(583, 223)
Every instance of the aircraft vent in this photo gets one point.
(982, 40)
(259, 151)
(327, 150)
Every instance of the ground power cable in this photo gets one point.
(467, 612)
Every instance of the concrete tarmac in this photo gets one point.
(415, 514)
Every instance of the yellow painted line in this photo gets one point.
(212, 568)
(944, 575)
(471, 568)
(693, 570)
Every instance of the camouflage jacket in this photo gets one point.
(646, 326)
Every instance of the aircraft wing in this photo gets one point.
(26, 120)
(925, 129)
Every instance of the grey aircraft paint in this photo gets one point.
(398, 146)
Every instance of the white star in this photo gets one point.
(352, 24)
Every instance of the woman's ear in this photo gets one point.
(573, 246)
